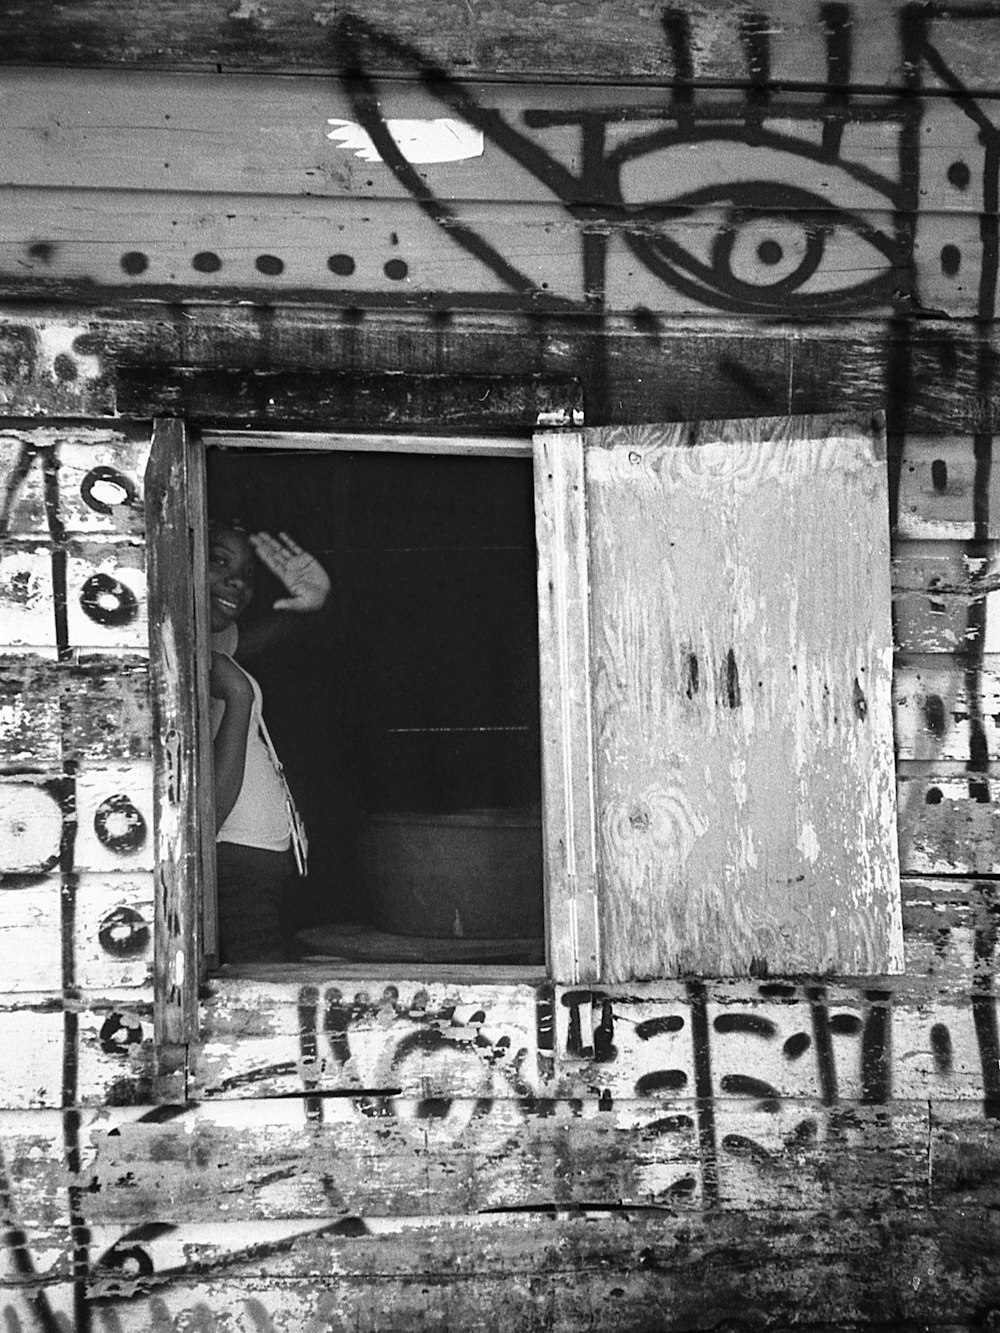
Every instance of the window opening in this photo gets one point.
(406, 711)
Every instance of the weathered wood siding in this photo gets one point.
(693, 212)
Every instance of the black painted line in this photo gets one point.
(16, 1241)
(677, 30)
(984, 1014)
(876, 1054)
(704, 1092)
(15, 480)
(826, 1064)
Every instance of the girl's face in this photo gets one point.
(230, 577)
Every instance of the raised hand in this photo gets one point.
(305, 578)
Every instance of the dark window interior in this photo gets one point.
(406, 714)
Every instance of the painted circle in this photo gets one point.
(123, 933)
(134, 262)
(395, 269)
(108, 601)
(270, 265)
(789, 248)
(951, 260)
(64, 367)
(132, 1260)
(119, 825)
(31, 824)
(342, 264)
(770, 252)
(118, 1033)
(959, 175)
(206, 261)
(105, 488)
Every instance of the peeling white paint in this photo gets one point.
(440, 140)
(808, 843)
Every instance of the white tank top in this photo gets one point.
(260, 816)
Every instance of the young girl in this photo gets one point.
(254, 859)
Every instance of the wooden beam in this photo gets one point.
(871, 43)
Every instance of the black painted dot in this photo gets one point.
(939, 475)
(796, 1045)
(770, 252)
(104, 488)
(934, 796)
(64, 367)
(934, 715)
(108, 601)
(123, 933)
(342, 264)
(396, 269)
(959, 175)
(43, 250)
(942, 1049)
(845, 1025)
(119, 1032)
(270, 264)
(119, 825)
(951, 260)
(134, 262)
(206, 261)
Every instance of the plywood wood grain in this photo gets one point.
(740, 629)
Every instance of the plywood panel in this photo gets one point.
(740, 599)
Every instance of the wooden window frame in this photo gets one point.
(176, 490)
(185, 856)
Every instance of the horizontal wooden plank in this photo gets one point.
(949, 820)
(109, 808)
(104, 606)
(938, 490)
(107, 917)
(786, 1038)
(930, 375)
(944, 710)
(86, 1052)
(875, 43)
(281, 1160)
(92, 709)
(964, 1158)
(367, 401)
(73, 480)
(273, 136)
(482, 253)
(614, 1270)
(319, 1031)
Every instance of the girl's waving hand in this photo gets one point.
(305, 578)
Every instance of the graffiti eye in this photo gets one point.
(759, 247)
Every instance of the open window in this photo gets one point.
(710, 694)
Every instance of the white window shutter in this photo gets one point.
(737, 721)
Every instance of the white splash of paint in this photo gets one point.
(809, 844)
(441, 140)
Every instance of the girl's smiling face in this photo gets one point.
(230, 577)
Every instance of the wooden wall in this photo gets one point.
(696, 211)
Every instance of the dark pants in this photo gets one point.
(254, 894)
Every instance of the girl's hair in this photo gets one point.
(216, 525)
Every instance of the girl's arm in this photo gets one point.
(228, 683)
